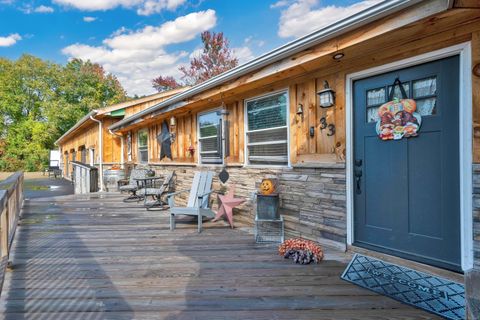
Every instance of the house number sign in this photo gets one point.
(329, 126)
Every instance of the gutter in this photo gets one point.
(76, 125)
(355, 21)
(100, 147)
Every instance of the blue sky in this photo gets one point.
(139, 39)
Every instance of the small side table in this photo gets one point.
(227, 203)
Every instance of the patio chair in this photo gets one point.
(132, 186)
(157, 192)
(198, 200)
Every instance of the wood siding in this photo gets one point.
(375, 48)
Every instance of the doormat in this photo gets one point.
(425, 291)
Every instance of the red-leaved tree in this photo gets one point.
(216, 57)
(162, 83)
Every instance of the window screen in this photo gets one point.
(210, 137)
(267, 131)
(143, 146)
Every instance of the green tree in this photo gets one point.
(40, 100)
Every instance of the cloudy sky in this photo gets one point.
(138, 40)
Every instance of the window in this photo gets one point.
(210, 137)
(424, 91)
(267, 130)
(143, 146)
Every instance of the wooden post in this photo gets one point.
(4, 228)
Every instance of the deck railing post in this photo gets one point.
(4, 229)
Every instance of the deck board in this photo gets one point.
(94, 257)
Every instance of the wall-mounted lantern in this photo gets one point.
(327, 96)
(173, 121)
(300, 110)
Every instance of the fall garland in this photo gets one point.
(301, 251)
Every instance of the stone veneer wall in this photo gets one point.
(312, 200)
(476, 214)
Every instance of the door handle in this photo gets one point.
(358, 179)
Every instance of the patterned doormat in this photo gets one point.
(434, 294)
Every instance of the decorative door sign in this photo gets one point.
(397, 117)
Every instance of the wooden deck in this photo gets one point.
(80, 257)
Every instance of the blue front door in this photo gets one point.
(407, 192)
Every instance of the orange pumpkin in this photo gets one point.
(267, 187)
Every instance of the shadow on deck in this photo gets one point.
(95, 257)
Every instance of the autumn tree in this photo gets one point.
(215, 58)
(165, 83)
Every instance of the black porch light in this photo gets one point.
(327, 96)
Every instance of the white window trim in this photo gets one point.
(464, 50)
(199, 160)
(138, 146)
(245, 125)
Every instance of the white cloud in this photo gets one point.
(136, 57)
(10, 40)
(155, 6)
(144, 7)
(279, 4)
(43, 9)
(304, 16)
(243, 54)
(29, 9)
(89, 19)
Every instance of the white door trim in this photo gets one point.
(465, 143)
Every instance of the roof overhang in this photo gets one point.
(336, 29)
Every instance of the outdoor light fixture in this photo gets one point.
(337, 56)
(173, 121)
(327, 96)
(299, 109)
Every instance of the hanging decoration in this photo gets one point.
(165, 141)
(129, 146)
(224, 175)
(397, 117)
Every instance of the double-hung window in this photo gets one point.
(210, 137)
(267, 130)
(143, 146)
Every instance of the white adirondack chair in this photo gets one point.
(198, 201)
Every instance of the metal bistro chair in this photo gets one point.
(156, 187)
(132, 186)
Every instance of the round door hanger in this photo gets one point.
(397, 118)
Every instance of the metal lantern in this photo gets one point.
(173, 121)
(300, 109)
(327, 96)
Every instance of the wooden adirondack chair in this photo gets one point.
(198, 201)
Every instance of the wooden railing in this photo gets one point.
(11, 200)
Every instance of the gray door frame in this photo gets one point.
(465, 144)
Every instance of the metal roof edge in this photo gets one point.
(355, 21)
